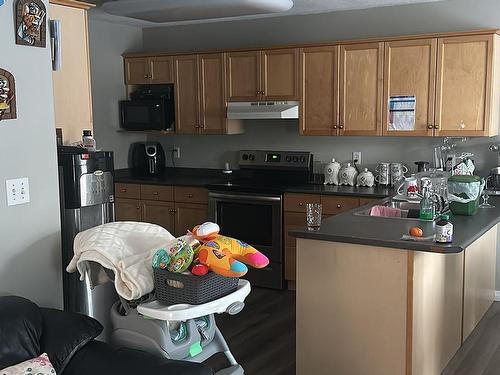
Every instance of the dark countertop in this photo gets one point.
(205, 177)
(386, 232)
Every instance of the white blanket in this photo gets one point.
(126, 248)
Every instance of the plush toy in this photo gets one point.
(225, 256)
(176, 258)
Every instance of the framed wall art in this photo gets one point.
(31, 23)
(7, 96)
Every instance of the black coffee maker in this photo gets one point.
(147, 158)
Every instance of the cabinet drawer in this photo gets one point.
(333, 205)
(131, 191)
(293, 220)
(157, 192)
(297, 202)
(190, 194)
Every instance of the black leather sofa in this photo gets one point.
(26, 331)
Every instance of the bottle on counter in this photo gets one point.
(426, 206)
(88, 142)
(444, 230)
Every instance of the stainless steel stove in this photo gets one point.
(249, 206)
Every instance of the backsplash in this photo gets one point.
(212, 151)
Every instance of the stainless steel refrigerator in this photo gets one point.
(86, 190)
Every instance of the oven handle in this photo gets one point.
(257, 198)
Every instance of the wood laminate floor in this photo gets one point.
(262, 338)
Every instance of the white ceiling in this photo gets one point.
(192, 15)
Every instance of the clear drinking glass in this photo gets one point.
(313, 215)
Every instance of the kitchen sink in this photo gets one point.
(409, 210)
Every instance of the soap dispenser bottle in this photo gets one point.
(426, 206)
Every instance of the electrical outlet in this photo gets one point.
(356, 155)
(176, 151)
(18, 191)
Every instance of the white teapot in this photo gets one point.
(365, 178)
(347, 175)
(332, 172)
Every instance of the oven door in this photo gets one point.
(143, 114)
(256, 220)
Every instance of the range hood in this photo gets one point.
(262, 110)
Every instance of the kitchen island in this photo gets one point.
(370, 303)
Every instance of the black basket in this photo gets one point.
(174, 288)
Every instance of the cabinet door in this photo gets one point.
(71, 84)
(212, 94)
(187, 117)
(243, 76)
(137, 71)
(410, 73)
(162, 69)
(188, 215)
(319, 90)
(464, 85)
(160, 213)
(280, 74)
(361, 73)
(128, 210)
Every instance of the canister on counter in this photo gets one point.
(444, 230)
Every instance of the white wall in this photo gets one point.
(108, 42)
(30, 261)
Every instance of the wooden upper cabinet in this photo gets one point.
(410, 73)
(161, 69)
(187, 117)
(243, 76)
(466, 92)
(137, 70)
(212, 93)
(361, 74)
(71, 84)
(319, 90)
(280, 74)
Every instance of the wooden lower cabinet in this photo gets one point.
(128, 210)
(188, 215)
(176, 209)
(160, 213)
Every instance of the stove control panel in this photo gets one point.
(275, 159)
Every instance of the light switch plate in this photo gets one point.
(18, 191)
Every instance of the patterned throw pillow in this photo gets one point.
(36, 366)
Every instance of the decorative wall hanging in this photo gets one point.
(7, 95)
(31, 23)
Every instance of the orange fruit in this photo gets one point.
(416, 232)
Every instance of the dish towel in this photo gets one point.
(124, 247)
(385, 211)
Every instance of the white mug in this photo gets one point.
(409, 187)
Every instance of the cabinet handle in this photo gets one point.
(436, 127)
(190, 195)
(197, 126)
(123, 190)
(339, 206)
(430, 126)
(301, 204)
(462, 125)
(341, 126)
(335, 126)
(155, 193)
(146, 76)
(137, 207)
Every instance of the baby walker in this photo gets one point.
(177, 329)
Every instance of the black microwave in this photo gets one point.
(149, 108)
